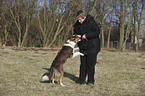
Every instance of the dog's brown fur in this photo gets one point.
(56, 68)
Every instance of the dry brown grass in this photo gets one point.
(117, 74)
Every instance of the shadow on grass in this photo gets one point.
(66, 74)
(70, 76)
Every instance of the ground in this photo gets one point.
(117, 74)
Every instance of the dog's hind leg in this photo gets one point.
(51, 76)
(60, 79)
(53, 81)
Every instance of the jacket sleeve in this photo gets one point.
(77, 28)
(94, 30)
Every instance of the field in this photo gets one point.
(117, 74)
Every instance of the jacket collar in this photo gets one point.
(87, 18)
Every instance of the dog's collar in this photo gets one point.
(70, 44)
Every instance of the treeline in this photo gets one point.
(48, 23)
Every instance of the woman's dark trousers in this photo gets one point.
(87, 68)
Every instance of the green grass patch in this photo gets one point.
(117, 74)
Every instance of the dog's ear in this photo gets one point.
(76, 36)
(70, 37)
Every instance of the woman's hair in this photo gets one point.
(80, 14)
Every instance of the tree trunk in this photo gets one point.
(17, 22)
(109, 37)
(123, 15)
(26, 33)
(102, 33)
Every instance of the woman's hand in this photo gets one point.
(84, 36)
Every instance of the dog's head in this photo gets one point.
(75, 38)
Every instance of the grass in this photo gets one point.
(117, 74)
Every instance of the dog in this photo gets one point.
(66, 52)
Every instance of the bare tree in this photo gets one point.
(123, 14)
(53, 20)
(42, 23)
(15, 12)
(139, 19)
(20, 13)
(28, 17)
(101, 18)
(129, 27)
(0, 22)
(59, 29)
(5, 23)
(109, 30)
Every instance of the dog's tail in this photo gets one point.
(45, 78)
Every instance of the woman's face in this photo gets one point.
(81, 20)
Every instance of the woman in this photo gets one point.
(89, 45)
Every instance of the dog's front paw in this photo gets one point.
(76, 48)
(82, 54)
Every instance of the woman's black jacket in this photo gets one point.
(91, 29)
